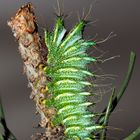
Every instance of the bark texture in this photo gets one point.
(34, 55)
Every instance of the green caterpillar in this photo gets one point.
(67, 69)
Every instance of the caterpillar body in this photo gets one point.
(67, 68)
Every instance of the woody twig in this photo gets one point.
(34, 55)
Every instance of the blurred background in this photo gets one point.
(120, 16)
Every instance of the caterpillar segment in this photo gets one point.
(67, 68)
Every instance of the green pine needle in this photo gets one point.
(106, 118)
(124, 85)
(7, 133)
(133, 135)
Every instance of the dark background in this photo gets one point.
(120, 16)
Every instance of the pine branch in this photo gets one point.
(34, 55)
